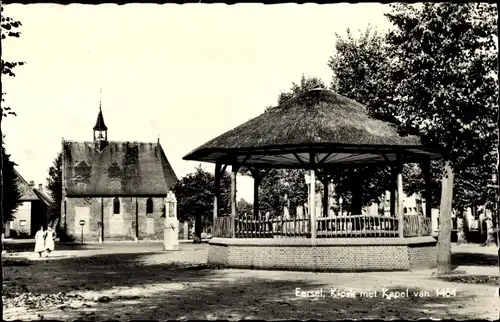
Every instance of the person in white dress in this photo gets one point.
(40, 241)
(49, 240)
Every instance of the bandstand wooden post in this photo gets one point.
(325, 180)
(393, 191)
(312, 197)
(234, 171)
(256, 185)
(218, 168)
(399, 194)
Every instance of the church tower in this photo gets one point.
(100, 132)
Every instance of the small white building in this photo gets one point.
(35, 210)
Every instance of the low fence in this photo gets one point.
(357, 226)
(415, 225)
(223, 227)
(247, 227)
(326, 227)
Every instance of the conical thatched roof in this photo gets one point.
(333, 127)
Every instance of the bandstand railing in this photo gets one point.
(223, 227)
(248, 227)
(326, 227)
(416, 225)
(357, 226)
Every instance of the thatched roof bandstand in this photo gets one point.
(318, 130)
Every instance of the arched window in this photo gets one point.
(116, 206)
(149, 206)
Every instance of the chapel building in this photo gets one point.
(114, 190)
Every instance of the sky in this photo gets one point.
(181, 73)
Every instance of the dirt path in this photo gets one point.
(148, 284)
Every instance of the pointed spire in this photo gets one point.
(99, 125)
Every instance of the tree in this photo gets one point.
(306, 84)
(280, 188)
(11, 193)
(244, 207)
(55, 182)
(9, 29)
(443, 59)
(434, 75)
(272, 192)
(195, 196)
(361, 73)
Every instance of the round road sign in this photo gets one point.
(82, 222)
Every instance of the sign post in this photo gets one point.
(82, 222)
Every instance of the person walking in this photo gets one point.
(49, 240)
(40, 241)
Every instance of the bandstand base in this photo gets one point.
(325, 254)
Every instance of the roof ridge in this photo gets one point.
(114, 141)
(25, 183)
(20, 177)
(44, 197)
